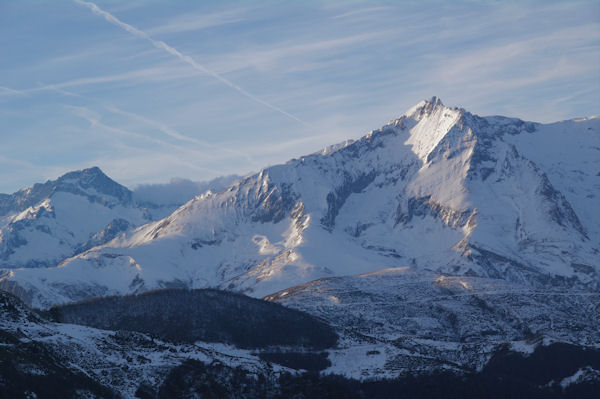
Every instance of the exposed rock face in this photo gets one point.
(439, 241)
(46, 223)
(439, 188)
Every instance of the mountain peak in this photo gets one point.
(431, 121)
(91, 178)
(90, 182)
(88, 174)
(424, 108)
(434, 101)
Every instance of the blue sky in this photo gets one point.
(197, 89)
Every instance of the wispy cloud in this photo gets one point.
(15, 162)
(178, 154)
(18, 174)
(271, 58)
(181, 190)
(524, 62)
(92, 117)
(176, 135)
(185, 58)
(8, 90)
(187, 22)
(346, 67)
(199, 150)
(143, 166)
(139, 75)
(361, 11)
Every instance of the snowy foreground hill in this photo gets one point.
(437, 242)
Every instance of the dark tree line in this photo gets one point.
(202, 315)
(508, 375)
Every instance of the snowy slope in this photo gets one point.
(385, 318)
(120, 360)
(45, 223)
(412, 320)
(439, 189)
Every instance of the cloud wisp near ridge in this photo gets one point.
(183, 57)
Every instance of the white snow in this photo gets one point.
(581, 374)
(438, 189)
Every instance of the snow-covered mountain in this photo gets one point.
(46, 223)
(438, 189)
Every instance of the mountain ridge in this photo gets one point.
(75, 181)
(438, 188)
(43, 224)
(42, 213)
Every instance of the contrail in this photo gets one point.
(185, 58)
(10, 91)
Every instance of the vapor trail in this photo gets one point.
(185, 58)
